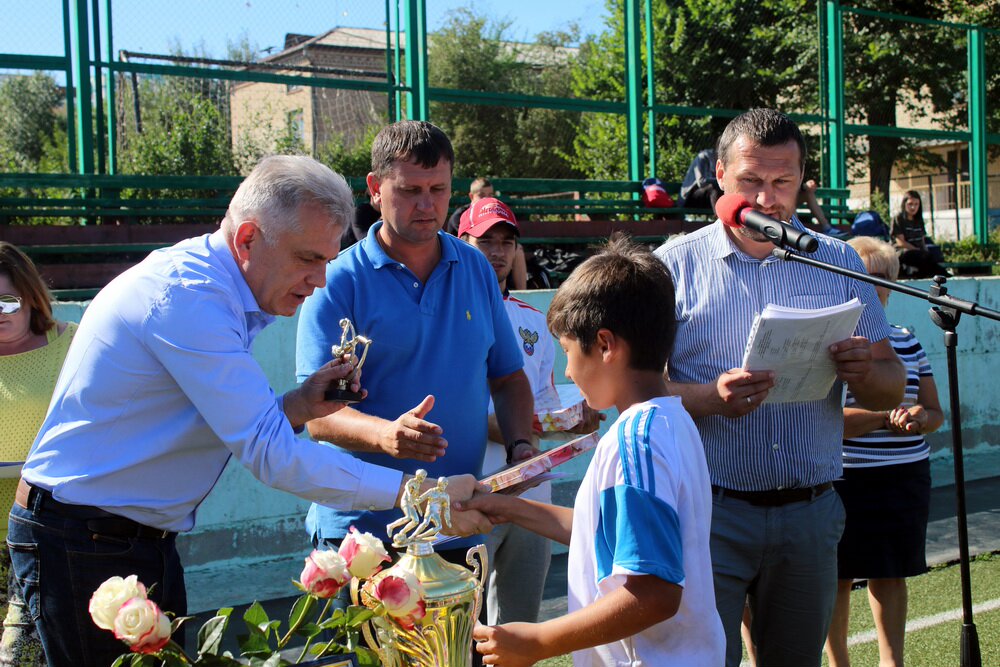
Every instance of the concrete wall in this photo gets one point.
(249, 541)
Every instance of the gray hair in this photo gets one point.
(877, 255)
(279, 185)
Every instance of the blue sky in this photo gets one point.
(153, 26)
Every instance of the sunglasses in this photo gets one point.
(9, 304)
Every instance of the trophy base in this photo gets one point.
(342, 395)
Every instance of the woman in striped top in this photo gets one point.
(886, 487)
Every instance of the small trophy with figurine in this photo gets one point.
(350, 342)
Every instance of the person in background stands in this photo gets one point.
(481, 188)
(776, 521)
(518, 558)
(32, 348)
(886, 487)
(159, 390)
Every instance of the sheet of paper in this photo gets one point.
(794, 343)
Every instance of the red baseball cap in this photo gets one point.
(483, 214)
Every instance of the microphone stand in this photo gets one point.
(946, 312)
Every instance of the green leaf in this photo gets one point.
(303, 606)
(356, 616)
(367, 657)
(308, 630)
(256, 617)
(120, 660)
(254, 644)
(211, 633)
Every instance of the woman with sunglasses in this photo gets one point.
(886, 488)
(32, 348)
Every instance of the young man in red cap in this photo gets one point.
(518, 558)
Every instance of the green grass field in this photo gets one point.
(936, 592)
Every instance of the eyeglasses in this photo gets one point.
(9, 304)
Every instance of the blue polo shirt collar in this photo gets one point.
(380, 259)
(256, 318)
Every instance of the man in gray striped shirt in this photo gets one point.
(775, 519)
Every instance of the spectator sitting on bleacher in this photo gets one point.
(918, 256)
(700, 187)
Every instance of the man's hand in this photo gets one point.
(522, 451)
(912, 420)
(853, 359)
(509, 645)
(308, 401)
(465, 522)
(740, 392)
(411, 437)
(591, 421)
(497, 507)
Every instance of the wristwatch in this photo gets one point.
(511, 446)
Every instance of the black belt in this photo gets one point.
(774, 497)
(97, 520)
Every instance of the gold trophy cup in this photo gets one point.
(348, 347)
(452, 594)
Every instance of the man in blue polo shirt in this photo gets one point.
(441, 340)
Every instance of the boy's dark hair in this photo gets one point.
(416, 140)
(623, 288)
(762, 127)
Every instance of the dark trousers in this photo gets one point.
(59, 560)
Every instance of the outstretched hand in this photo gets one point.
(410, 436)
(509, 645)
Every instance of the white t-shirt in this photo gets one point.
(539, 354)
(645, 508)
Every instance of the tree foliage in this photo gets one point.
(473, 52)
(33, 128)
(736, 55)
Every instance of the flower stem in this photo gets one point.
(319, 620)
(298, 623)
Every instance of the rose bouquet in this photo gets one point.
(121, 605)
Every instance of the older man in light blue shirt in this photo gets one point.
(162, 390)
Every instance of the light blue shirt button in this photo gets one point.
(775, 447)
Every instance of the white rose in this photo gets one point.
(110, 596)
(142, 626)
(364, 553)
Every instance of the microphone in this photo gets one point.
(735, 211)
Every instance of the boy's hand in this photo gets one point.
(509, 645)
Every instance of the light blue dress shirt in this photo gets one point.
(719, 291)
(159, 389)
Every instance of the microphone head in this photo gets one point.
(728, 209)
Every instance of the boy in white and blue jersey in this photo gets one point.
(639, 572)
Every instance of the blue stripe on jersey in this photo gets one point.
(648, 415)
(623, 453)
(640, 533)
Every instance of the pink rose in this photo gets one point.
(364, 553)
(142, 626)
(402, 595)
(325, 573)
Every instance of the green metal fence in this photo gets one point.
(823, 61)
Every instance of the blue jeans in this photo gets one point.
(785, 559)
(59, 561)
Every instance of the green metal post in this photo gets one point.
(98, 87)
(977, 127)
(835, 93)
(81, 75)
(650, 88)
(397, 55)
(70, 116)
(824, 108)
(109, 92)
(633, 89)
(390, 74)
(417, 104)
